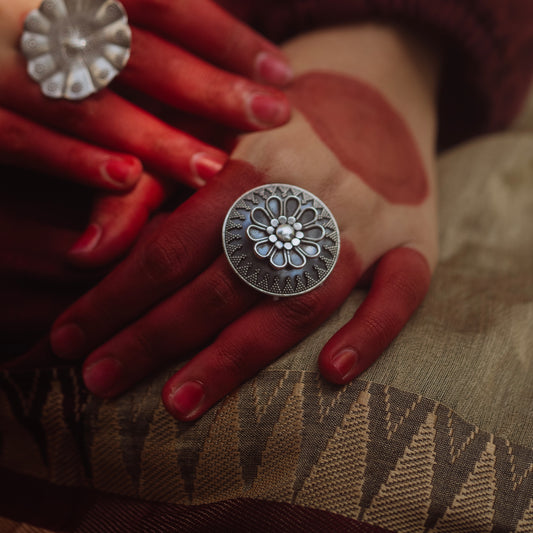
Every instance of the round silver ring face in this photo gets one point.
(75, 48)
(281, 239)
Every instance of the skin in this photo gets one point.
(177, 290)
(230, 81)
(357, 115)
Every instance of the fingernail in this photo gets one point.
(205, 167)
(121, 172)
(344, 363)
(88, 241)
(187, 399)
(272, 69)
(102, 377)
(67, 341)
(265, 110)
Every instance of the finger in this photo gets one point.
(182, 323)
(181, 80)
(116, 221)
(255, 340)
(206, 29)
(189, 242)
(108, 120)
(401, 281)
(27, 145)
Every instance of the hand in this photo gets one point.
(373, 166)
(104, 140)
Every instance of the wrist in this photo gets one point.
(401, 65)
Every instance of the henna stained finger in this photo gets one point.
(400, 283)
(28, 145)
(115, 223)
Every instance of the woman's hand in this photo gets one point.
(370, 158)
(105, 140)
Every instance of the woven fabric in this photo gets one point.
(366, 452)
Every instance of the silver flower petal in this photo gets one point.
(296, 258)
(264, 248)
(108, 12)
(54, 86)
(314, 232)
(257, 233)
(36, 22)
(35, 45)
(278, 259)
(54, 9)
(79, 83)
(274, 205)
(42, 67)
(292, 206)
(308, 215)
(310, 249)
(261, 216)
(102, 72)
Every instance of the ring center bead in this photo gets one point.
(285, 232)
(74, 45)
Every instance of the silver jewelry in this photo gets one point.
(75, 48)
(281, 239)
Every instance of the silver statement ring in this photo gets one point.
(281, 239)
(74, 48)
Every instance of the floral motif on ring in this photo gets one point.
(285, 232)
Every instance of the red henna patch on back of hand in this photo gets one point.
(365, 133)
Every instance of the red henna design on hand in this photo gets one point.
(365, 133)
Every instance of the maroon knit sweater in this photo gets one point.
(488, 64)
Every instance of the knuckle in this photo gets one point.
(73, 159)
(162, 9)
(377, 327)
(410, 284)
(163, 261)
(13, 135)
(221, 292)
(77, 117)
(299, 313)
(160, 6)
(232, 360)
(406, 288)
(233, 45)
(146, 352)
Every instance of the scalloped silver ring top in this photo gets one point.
(281, 239)
(74, 48)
